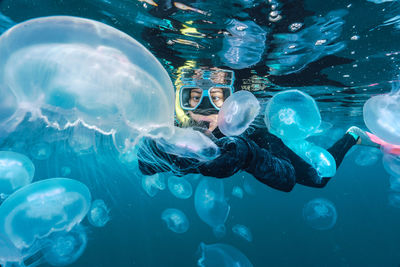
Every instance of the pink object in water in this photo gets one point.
(387, 147)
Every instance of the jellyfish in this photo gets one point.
(237, 191)
(321, 160)
(179, 187)
(16, 171)
(69, 70)
(189, 143)
(394, 200)
(82, 139)
(394, 183)
(210, 204)
(237, 113)
(243, 232)
(367, 156)
(47, 206)
(320, 214)
(153, 183)
(391, 163)
(65, 171)
(381, 116)
(292, 115)
(176, 220)
(63, 248)
(98, 215)
(221, 255)
(41, 151)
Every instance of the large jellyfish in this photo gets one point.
(292, 115)
(381, 115)
(320, 214)
(237, 113)
(176, 220)
(46, 206)
(221, 255)
(63, 248)
(16, 171)
(179, 187)
(67, 70)
(98, 215)
(210, 204)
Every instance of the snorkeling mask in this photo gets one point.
(203, 89)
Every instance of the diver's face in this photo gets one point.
(217, 96)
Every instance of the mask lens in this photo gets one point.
(190, 97)
(218, 95)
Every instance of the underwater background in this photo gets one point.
(357, 58)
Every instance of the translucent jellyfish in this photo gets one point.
(210, 203)
(243, 232)
(237, 192)
(186, 142)
(179, 187)
(176, 220)
(381, 116)
(292, 115)
(153, 183)
(394, 183)
(65, 171)
(47, 206)
(41, 151)
(63, 248)
(320, 214)
(391, 163)
(394, 200)
(98, 215)
(67, 70)
(16, 171)
(367, 156)
(237, 113)
(316, 156)
(221, 255)
(82, 139)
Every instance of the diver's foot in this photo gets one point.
(362, 137)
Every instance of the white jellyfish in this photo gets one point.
(381, 116)
(320, 214)
(221, 255)
(175, 220)
(292, 115)
(391, 163)
(367, 156)
(67, 70)
(41, 151)
(16, 171)
(98, 215)
(210, 204)
(394, 183)
(153, 183)
(237, 113)
(243, 232)
(179, 187)
(47, 206)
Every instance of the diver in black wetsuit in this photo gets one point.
(200, 93)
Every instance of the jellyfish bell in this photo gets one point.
(46, 206)
(320, 214)
(179, 187)
(381, 116)
(221, 255)
(237, 113)
(175, 220)
(66, 70)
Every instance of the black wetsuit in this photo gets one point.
(260, 153)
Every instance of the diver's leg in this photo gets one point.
(341, 147)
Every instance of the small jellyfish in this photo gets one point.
(210, 203)
(82, 139)
(381, 115)
(320, 214)
(41, 151)
(237, 113)
(16, 171)
(47, 206)
(292, 115)
(367, 156)
(221, 255)
(243, 232)
(65, 171)
(98, 215)
(153, 183)
(176, 220)
(394, 183)
(394, 200)
(63, 248)
(391, 163)
(179, 187)
(237, 191)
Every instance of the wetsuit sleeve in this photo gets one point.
(242, 154)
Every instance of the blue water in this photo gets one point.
(341, 79)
